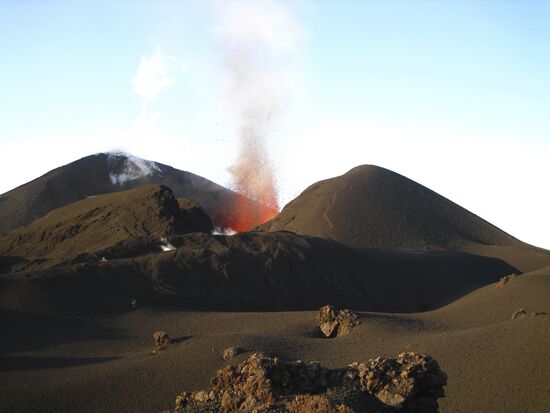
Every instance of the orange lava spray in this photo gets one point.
(254, 180)
(258, 40)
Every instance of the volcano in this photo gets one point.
(373, 207)
(111, 259)
(104, 173)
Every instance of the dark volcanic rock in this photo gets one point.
(194, 216)
(519, 313)
(161, 339)
(332, 324)
(410, 382)
(230, 352)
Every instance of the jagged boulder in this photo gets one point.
(161, 339)
(332, 324)
(411, 381)
(261, 383)
(519, 313)
(246, 386)
(230, 352)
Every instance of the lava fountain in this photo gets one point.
(258, 40)
(254, 181)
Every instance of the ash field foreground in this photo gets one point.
(84, 285)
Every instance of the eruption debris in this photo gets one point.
(258, 40)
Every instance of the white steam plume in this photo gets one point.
(165, 245)
(130, 167)
(153, 75)
(227, 232)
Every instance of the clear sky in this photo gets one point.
(452, 94)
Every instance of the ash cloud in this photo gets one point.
(258, 41)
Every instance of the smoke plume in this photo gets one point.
(258, 41)
(126, 167)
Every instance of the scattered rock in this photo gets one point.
(315, 404)
(410, 381)
(347, 320)
(535, 314)
(230, 352)
(326, 319)
(519, 313)
(161, 339)
(266, 384)
(505, 279)
(523, 313)
(336, 325)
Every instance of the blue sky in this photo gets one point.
(455, 94)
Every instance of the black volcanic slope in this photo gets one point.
(105, 173)
(83, 288)
(374, 207)
(252, 272)
(98, 254)
(127, 223)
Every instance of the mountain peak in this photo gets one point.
(126, 167)
(373, 207)
(103, 173)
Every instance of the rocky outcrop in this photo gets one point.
(105, 227)
(504, 280)
(230, 352)
(332, 324)
(410, 382)
(161, 339)
(519, 313)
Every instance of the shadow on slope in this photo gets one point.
(256, 272)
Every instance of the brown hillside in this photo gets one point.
(374, 207)
(105, 173)
(131, 222)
